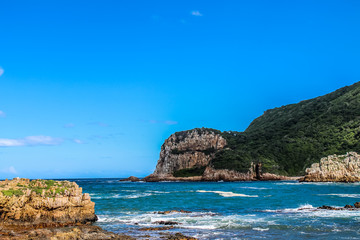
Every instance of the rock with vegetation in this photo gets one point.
(284, 140)
(335, 168)
(44, 202)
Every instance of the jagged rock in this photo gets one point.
(188, 149)
(173, 211)
(357, 204)
(44, 202)
(65, 233)
(348, 206)
(130, 179)
(179, 236)
(335, 168)
(166, 223)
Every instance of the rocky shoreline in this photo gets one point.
(48, 209)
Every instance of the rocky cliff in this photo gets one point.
(335, 168)
(188, 155)
(188, 149)
(44, 202)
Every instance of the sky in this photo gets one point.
(93, 88)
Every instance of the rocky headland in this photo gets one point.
(188, 155)
(283, 141)
(335, 168)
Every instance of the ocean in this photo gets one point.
(227, 210)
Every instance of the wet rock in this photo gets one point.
(348, 206)
(327, 207)
(179, 236)
(173, 211)
(166, 223)
(357, 204)
(156, 228)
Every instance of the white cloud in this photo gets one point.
(29, 141)
(1, 71)
(10, 169)
(2, 114)
(196, 13)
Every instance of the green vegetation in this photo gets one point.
(12, 192)
(288, 139)
(189, 172)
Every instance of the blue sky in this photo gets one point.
(93, 88)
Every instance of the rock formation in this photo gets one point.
(193, 151)
(335, 168)
(44, 202)
(186, 150)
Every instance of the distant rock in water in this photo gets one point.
(44, 202)
(130, 179)
(335, 168)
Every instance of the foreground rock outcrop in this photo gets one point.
(44, 202)
(48, 209)
(335, 168)
(187, 156)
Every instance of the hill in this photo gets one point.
(288, 139)
(283, 141)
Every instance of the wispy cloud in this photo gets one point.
(2, 114)
(10, 169)
(69, 125)
(30, 141)
(167, 122)
(1, 71)
(196, 13)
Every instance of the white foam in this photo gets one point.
(255, 188)
(227, 194)
(261, 229)
(194, 220)
(341, 195)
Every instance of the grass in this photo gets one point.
(12, 192)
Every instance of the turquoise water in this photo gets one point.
(224, 210)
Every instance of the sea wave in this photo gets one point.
(345, 195)
(227, 194)
(255, 188)
(194, 220)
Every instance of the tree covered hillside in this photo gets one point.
(288, 139)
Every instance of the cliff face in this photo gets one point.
(335, 168)
(189, 149)
(188, 155)
(44, 202)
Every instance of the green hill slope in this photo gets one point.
(288, 139)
